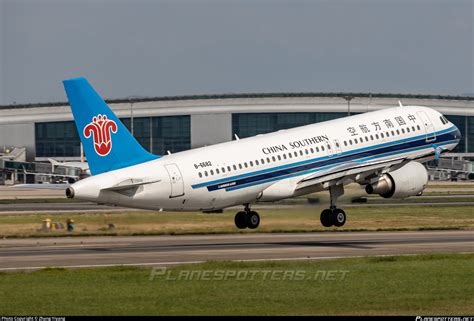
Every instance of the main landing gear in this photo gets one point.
(247, 218)
(333, 215)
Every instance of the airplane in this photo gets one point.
(60, 178)
(83, 166)
(381, 150)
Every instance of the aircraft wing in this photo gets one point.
(353, 171)
(360, 171)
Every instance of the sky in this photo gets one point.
(182, 47)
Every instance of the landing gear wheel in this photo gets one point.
(253, 220)
(241, 220)
(326, 218)
(338, 217)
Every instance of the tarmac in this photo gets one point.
(88, 252)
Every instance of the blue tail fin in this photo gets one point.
(108, 144)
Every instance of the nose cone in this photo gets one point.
(457, 133)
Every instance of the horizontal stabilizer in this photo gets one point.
(129, 183)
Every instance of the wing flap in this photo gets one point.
(354, 171)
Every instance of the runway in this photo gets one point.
(78, 252)
(86, 207)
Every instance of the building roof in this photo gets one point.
(254, 95)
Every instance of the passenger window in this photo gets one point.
(317, 149)
(350, 141)
(366, 138)
(403, 131)
(268, 159)
(279, 157)
(398, 132)
(200, 175)
(235, 167)
(262, 161)
(301, 153)
(246, 165)
(376, 136)
(413, 128)
(296, 154)
(381, 135)
(273, 158)
(284, 156)
(217, 170)
(393, 133)
(223, 169)
(212, 172)
(205, 173)
(345, 143)
(228, 168)
(329, 146)
(408, 129)
(311, 150)
(251, 163)
(240, 166)
(387, 134)
(290, 155)
(418, 126)
(256, 162)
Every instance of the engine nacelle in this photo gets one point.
(409, 180)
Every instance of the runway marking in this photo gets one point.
(197, 262)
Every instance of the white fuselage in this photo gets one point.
(239, 172)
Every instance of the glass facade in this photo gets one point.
(251, 124)
(57, 139)
(155, 134)
(161, 134)
(173, 133)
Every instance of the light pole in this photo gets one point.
(348, 98)
(131, 114)
(131, 101)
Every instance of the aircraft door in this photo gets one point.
(429, 127)
(176, 180)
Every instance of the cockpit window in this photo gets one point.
(443, 120)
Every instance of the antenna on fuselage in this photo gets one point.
(400, 103)
(169, 153)
(236, 137)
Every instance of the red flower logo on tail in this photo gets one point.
(100, 129)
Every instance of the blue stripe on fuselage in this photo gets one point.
(322, 168)
(301, 167)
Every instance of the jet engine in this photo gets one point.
(409, 180)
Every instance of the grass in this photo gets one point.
(409, 285)
(291, 219)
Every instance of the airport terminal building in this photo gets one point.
(172, 124)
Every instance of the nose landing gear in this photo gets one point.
(247, 219)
